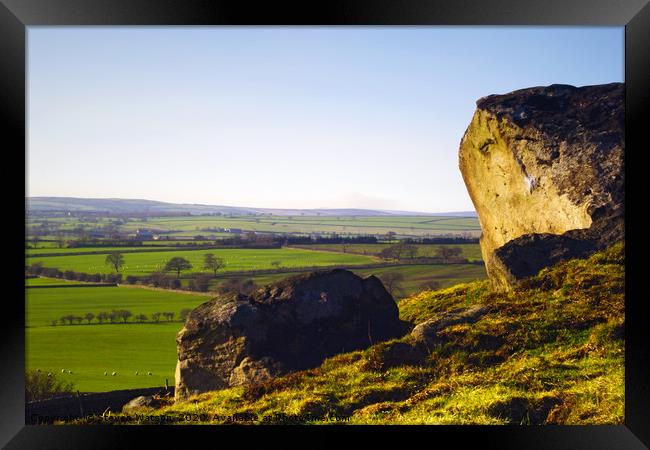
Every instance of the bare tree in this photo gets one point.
(449, 253)
(210, 262)
(125, 314)
(60, 239)
(41, 386)
(115, 260)
(102, 316)
(177, 264)
(392, 282)
(399, 251)
(184, 313)
(140, 318)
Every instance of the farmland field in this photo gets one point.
(90, 350)
(44, 305)
(402, 225)
(55, 251)
(470, 251)
(414, 275)
(48, 282)
(236, 260)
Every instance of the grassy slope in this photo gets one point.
(549, 352)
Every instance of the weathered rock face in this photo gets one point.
(287, 326)
(544, 168)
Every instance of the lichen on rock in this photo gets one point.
(544, 169)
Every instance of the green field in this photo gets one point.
(90, 350)
(44, 305)
(470, 251)
(201, 225)
(236, 260)
(417, 275)
(414, 276)
(48, 282)
(72, 251)
(402, 225)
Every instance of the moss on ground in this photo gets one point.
(551, 351)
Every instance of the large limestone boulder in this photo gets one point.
(544, 169)
(287, 326)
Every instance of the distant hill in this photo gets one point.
(139, 206)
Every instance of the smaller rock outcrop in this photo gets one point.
(138, 403)
(427, 332)
(287, 326)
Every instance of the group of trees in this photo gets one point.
(176, 264)
(200, 283)
(403, 250)
(329, 239)
(51, 272)
(41, 386)
(393, 281)
(120, 316)
(237, 286)
(399, 251)
(449, 253)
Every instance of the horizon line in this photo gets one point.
(252, 207)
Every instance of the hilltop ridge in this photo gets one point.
(123, 206)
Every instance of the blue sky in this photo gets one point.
(294, 117)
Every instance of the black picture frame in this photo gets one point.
(16, 15)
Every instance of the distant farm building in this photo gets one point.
(143, 235)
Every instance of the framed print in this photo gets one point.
(352, 214)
